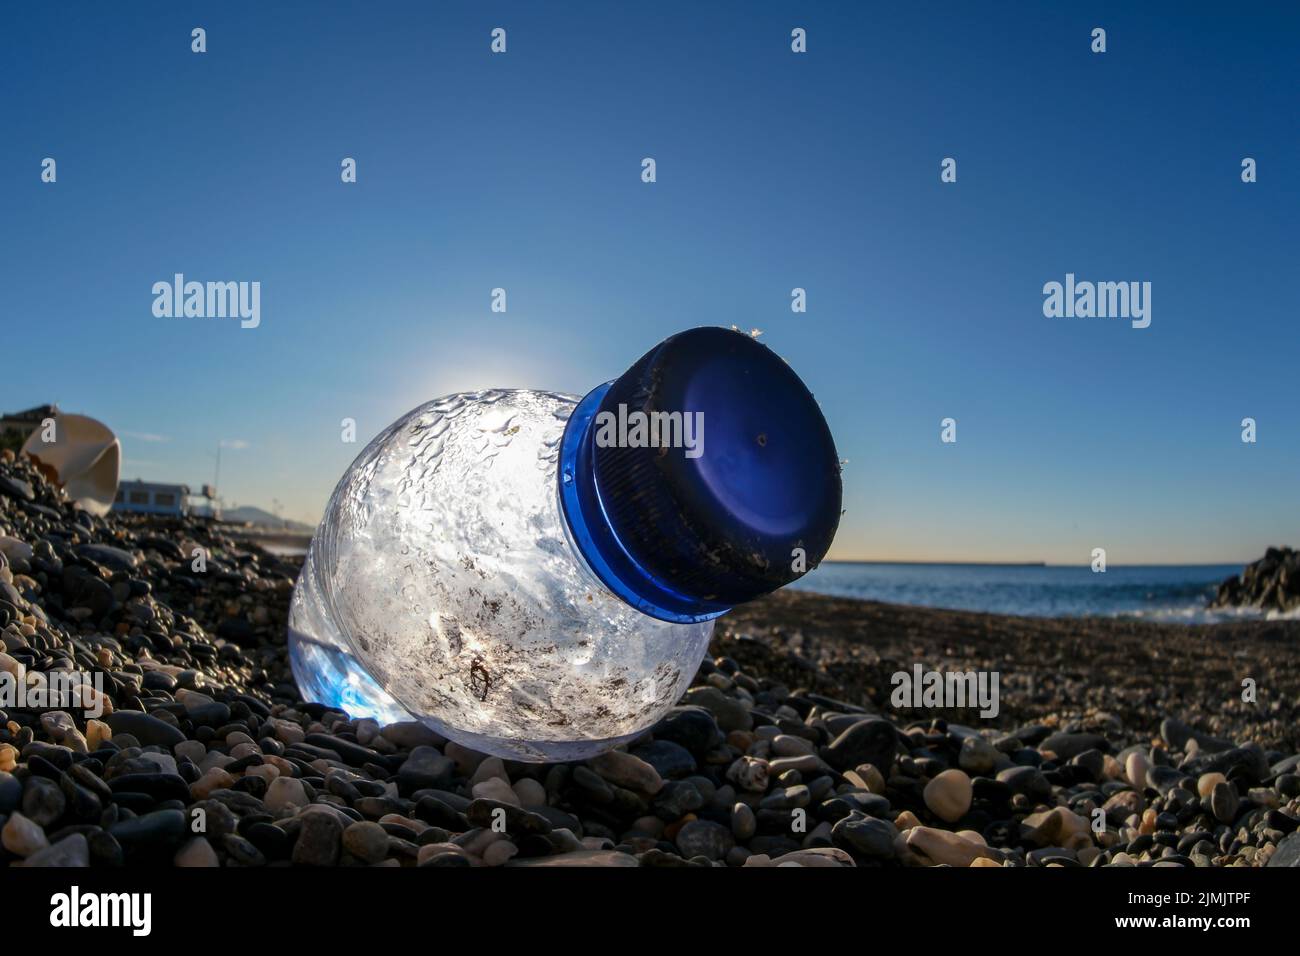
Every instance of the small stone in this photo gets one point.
(866, 836)
(366, 841)
(949, 795)
(1135, 769)
(977, 756)
(941, 846)
(749, 773)
(285, 792)
(490, 814)
(906, 820)
(16, 488)
(866, 777)
(672, 829)
(743, 822)
(97, 733)
(286, 731)
(431, 850)
(806, 763)
(367, 731)
(1250, 759)
(742, 740)
(1288, 785)
(692, 727)
(787, 798)
(1068, 746)
(14, 667)
(650, 826)
(1092, 762)
(1287, 853)
(57, 723)
(628, 771)
(704, 838)
(1263, 797)
(43, 801)
(105, 851)
(1058, 827)
(491, 767)
(266, 771)
(409, 734)
(245, 852)
(157, 829)
(196, 853)
(1148, 824)
(670, 760)
(1122, 805)
(15, 549)
(494, 788)
(822, 856)
(22, 837)
(729, 712)
(1027, 780)
(871, 740)
(318, 838)
(68, 852)
(1206, 782)
(214, 779)
(466, 760)
(11, 792)
(1224, 802)
(426, 769)
(499, 853)
(1177, 734)
(785, 745)
(145, 728)
(1165, 779)
(530, 792)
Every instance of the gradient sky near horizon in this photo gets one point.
(775, 170)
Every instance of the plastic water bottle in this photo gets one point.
(536, 576)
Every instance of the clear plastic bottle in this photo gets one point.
(534, 584)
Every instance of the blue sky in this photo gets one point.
(775, 170)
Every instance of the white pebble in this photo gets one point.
(1135, 768)
(285, 792)
(196, 853)
(949, 795)
(22, 837)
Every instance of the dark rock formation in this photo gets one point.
(1272, 583)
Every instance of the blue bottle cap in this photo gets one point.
(703, 477)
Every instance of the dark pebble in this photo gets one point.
(872, 740)
(145, 728)
(43, 801)
(670, 759)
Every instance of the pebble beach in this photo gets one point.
(1117, 743)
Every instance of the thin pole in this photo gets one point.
(216, 485)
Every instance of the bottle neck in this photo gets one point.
(593, 535)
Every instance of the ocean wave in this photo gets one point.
(1200, 614)
(1175, 594)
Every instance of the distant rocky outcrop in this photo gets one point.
(1272, 583)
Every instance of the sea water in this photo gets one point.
(1171, 593)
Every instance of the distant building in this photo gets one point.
(150, 497)
(16, 426)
